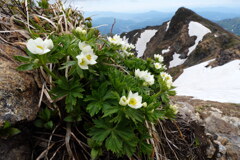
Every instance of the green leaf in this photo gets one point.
(22, 59)
(164, 98)
(67, 64)
(48, 125)
(108, 110)
(45, 114)
(12, 131)
(38, 123)
(6, 125)
(100, 131)
(114, 144)
(134, 115)
(111, 95)
(26, 67)
(94, 107)
(72, 89)
(95, 153)
(69, 119)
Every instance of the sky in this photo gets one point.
(149, 5)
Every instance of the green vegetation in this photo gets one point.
(100, 97)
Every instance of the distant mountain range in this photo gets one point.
(126, 22)
(232, 25)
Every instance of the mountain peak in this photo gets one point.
(182, 17)
(184, 11)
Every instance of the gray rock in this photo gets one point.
(222, 128)
(18, 90)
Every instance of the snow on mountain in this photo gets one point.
(168, 23)
(217, 84)
(197, 29)
(176, 60)
(143, 40)
(166, 50)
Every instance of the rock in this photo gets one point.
(221, 123)
(18, 90)
(15, 148)
(233, 152)
(210, 151)
(221, 148)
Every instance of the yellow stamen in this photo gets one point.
(40, 47)
(83, 62)
(89, 57)
(133, 101)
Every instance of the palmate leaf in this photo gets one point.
(115, 136)
(102, 99)
(114, 143)
(72, 89)
(133, 114)
(94, 107)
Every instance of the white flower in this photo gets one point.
(146, 76)
(80, 29)
(39, 46)
(159, 58)
(116, 39)
(144, 104)
(85, 47)
(91, 57)
(131, 46)
(174, 108)
(123, 101)
(87, 56)
(82, 61)
(167, 78)
(157, 65)
(134, 100)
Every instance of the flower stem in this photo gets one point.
(49, 72)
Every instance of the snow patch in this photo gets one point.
(135, 34)
(217, 84)
(197, 29)
(176, 60)
(168, 23)
(143, 40)
(166, 50)
(125, 39)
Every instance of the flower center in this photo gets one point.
(40, 47)
(133, 101)
(89, 57)
(83, 62)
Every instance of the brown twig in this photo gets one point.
(114, 22)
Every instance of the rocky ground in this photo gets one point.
(221, 122)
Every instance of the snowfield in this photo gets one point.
(220, 84)
(143, 40)
(176, 61)
(196, 29)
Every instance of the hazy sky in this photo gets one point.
(147, 5)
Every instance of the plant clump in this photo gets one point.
(99, 93)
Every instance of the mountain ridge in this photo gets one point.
(191, 43)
